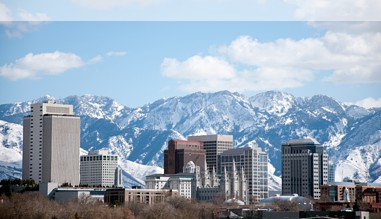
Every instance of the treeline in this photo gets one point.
(32, 205)
(8, 186)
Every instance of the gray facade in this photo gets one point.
(29, 171)
(61, 149)
(51, 144)
(214, 145)
(304, 168)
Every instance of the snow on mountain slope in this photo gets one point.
(362, 163)
(10, 136)
(275, 103)
(98, 108)
(275, 182)
(349, 133)
(10, 150)
(139, 171)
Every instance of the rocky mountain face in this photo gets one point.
(350, 134)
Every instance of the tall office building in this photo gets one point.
(99, 168)
(253, 162)
(214, 145)
(51, 135)
(304, 168)
(180, 152)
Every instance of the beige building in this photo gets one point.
(214, 145)
(51, 136)
(144, 196)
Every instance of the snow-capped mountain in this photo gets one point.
(351, 134)
(10, 150)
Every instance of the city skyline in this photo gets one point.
(139, 62)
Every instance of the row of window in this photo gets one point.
(95, 158)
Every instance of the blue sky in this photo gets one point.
(169, 10)
(138, 62)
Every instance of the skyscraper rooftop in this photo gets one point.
(306, 141)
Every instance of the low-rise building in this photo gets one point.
(202, 185)
(157, 181)
(362, 196)
(183, 182)
(338, 192)
(369, 193)
(145, 196)
(67, 194)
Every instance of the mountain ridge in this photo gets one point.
(267, 119)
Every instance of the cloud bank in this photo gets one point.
(338, 10)
(369, 102)
(247, 64)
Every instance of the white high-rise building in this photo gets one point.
(99, 168)
(251, 161)
(51, 136)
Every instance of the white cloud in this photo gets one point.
(247, 64)
(95, 59)
(25, 15)
(281, 53)
(212, 74)
(21, 15)
(108, 4)
(338, 10)
(351, 58)
(5, 13)
(33, 65)
(116, 53)
(369, 103)
(15, 29)
(24, 21)
(198, 68)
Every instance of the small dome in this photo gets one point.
(190, 167)
(301, 202)
(233, 201)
